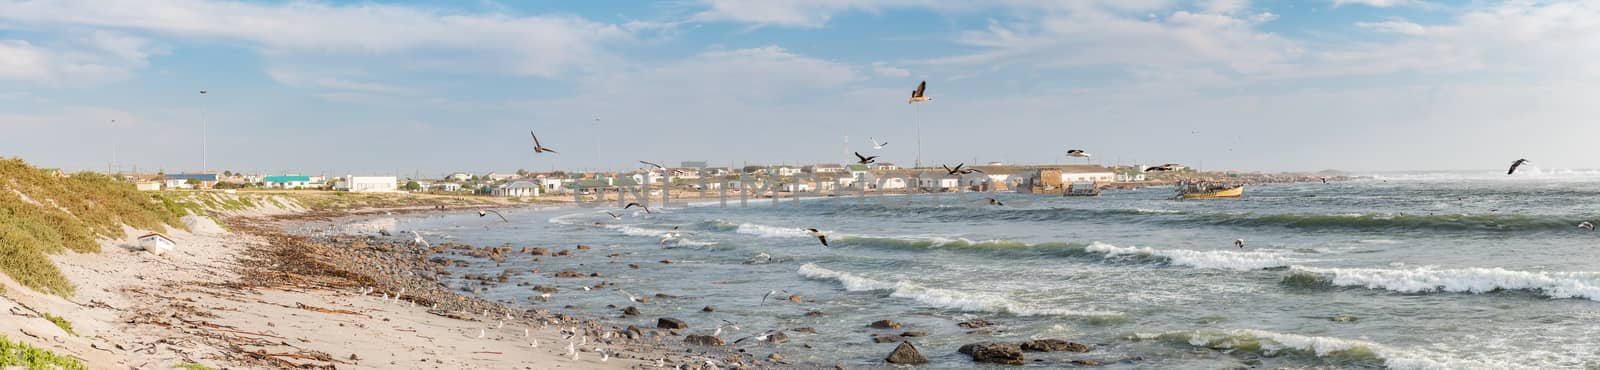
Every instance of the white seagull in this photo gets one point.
(876, 144)
(486, 212)
(420, 240)
(1586, 226)
(917, 95)
(539, 148)
(770, 293)
(819, 235)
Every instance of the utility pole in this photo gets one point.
(204, 166)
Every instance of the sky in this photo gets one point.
(401, 87)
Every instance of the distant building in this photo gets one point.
(517, 189)
(181, 180)
(827, 168)
(938, 181)
(368, 184)
(552, 185)
(446, 187)
(496, 176)
(786, 171)
(286, 182)
(1097, 176)
(885, 166)
(147, 185)
(459, 176)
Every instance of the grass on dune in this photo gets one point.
(15, 354)
(41, 214)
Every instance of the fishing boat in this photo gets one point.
(1209, 190)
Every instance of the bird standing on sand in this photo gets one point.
(819, 235)
(1078, 153)
(636, 204)
(865, 159)
(1515, 164)
(876, 144)
(486, 212)
(537, 147)
(1238, 243)
(918, 94)
(1586, 226)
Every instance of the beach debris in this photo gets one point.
(906, 353)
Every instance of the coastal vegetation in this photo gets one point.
(61, 323)
(13, 354)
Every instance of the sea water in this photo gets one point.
(1429, 271)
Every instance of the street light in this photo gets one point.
(203, 164)
(114, 142)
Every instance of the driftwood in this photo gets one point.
(307, 307)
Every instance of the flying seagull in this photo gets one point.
(420, 240)
(1077, 153)
(865, 159)
(917, 95)
(614, 216)
(995, 202)
(1514, 165)
(819, 235)
(1238, 243)
(1586, 226)
(486, 212)
(876, 144)
(654, 165)
(770, 293)
(636, 204)
(539, 148)
(759, 338)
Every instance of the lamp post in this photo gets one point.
(114, 142)
(203, 164)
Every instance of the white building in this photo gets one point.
(551, 184)
(938, 181)
(368, 184)
(787, 171)
(517, 189)
(1096, 176)
(496, 176)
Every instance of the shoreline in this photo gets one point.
(263, 297)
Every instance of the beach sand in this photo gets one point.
(207, 304)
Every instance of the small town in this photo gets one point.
(693, 179)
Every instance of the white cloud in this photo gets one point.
(96, 58)
(305, 77)
(543, 46)
(1394, 27)
(883, 69)
(1379, 3)
(786, 13)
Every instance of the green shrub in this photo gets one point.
(62, 323)
(21, 354)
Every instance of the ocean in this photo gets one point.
(1400, 271)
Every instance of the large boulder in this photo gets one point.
(703, 340)
(994, 352)
(630, 311)
(671, 323)
(1053, 345)
(906, 353)
(778, 338)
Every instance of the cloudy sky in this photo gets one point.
(385, 87)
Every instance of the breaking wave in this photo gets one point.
(1345, 352)
(771, 231)
(943, 298)
(1468, 280)
(1223, 260)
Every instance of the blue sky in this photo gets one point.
(434, 87)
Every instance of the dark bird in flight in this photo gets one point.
(953, 171)
(486, 212)
(1162, 168)
(537, 147)
(636, 204)
(819, 235)
(917, 95)
(654, 165)
(865, 159)
(1514, 165)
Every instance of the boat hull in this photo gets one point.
(1229, 193)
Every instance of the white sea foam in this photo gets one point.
(1226, 260)
(944, 298)
(572, 219)
(1467, 280)
(771, 231)
(1272, 342)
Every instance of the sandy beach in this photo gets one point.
(256, 297)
